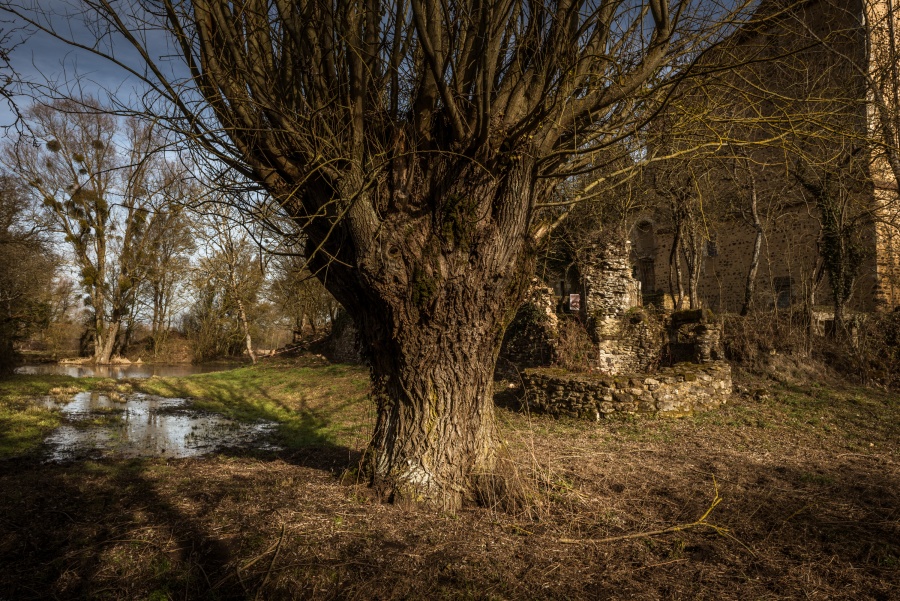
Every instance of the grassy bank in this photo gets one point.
(808, 477)
(24, 423)
(312, 403)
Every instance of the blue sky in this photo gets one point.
(38, 58)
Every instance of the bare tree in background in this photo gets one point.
(171, 241)
(98, 197)
(230, 261)
(301, 297)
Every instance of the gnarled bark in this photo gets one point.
(434, 391)
(438, 291)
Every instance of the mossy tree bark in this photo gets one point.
(432, 293)
(435, 428)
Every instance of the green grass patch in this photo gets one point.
(326, 404)
(23, 422)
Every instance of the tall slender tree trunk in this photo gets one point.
(156, 322)
(750, 286)
(693, 258)
(245, 324)
(676, 286)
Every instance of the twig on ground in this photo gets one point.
(700, 523)
(271, 563)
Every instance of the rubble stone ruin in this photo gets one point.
(641, 361)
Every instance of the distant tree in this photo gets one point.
(63, 328)
(591, 215)
(867, 129)
(170, 242)
(684, 186)
(300, 296)
(27, 269)
(209, 323)
(839, 191)
(232, 265)
(99, 181)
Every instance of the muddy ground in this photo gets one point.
(808, 476)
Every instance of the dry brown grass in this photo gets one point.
(809, 481)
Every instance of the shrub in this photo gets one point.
(575, 351)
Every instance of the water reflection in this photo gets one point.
(143, 425)
(134, 370)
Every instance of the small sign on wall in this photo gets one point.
(574, 302)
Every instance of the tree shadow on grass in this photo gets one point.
(209, 529)
(146, 528)
(100, 531)
(113, 529)
(307, 429)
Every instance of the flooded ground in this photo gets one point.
(118, 372)
(139, 425)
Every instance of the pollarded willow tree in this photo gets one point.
(416, 143)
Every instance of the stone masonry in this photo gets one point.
(678, 390)
(530, 339)
(695, 336)
(609, 289)
(627, 338)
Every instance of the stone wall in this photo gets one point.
(789, 254)
(609, 289)
(678, 390)
(627, 338)
(695, 336)
(634, 346)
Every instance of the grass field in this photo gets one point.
(807, 477)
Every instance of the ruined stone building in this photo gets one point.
(807, 128)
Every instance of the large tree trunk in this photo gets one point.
(431, 296)
(105, 344)
(435, 428)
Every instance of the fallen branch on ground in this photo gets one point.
(700, 523)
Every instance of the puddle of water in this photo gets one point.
(144, 426)
(139, 370)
